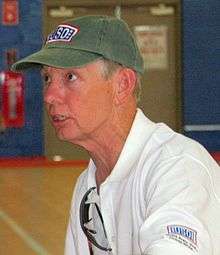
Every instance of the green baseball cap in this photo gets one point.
(80, 41)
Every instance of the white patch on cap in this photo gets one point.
(63, 33)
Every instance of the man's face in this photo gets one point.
(78, 100)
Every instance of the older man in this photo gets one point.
(147, 190)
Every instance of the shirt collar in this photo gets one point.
(139, 133)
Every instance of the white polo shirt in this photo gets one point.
(161, 198)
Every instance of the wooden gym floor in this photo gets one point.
(34, 207)
(35, 197)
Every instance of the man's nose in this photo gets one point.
(52, 93)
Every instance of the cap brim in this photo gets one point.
(56, 57)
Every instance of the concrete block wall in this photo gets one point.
(201, 71)
(26, 37)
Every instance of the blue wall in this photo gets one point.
(201, 74)
(201, 68)
(26, 38)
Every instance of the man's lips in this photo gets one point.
(59, 118)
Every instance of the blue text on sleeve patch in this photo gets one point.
(183, 231)
(63, 33)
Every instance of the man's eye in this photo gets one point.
(46, 79)
(71, 77)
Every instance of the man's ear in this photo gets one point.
(126, 81)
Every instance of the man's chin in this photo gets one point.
(61, 136)
(65, 137)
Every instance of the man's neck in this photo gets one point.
(107, 147)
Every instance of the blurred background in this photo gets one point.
(180, 44)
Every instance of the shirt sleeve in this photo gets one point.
(69, 242)
(176, 211)
(75, 242)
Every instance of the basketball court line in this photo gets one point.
(34, 245)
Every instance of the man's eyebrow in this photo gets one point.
(43, 70)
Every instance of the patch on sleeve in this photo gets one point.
(63, 33)
(183, 235)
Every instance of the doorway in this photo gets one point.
(156, 26)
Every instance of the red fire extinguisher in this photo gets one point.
(12, 88)
(12, 99)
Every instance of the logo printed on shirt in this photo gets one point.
(183, 231)
(63, 33)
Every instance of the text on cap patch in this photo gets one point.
(63, 33)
